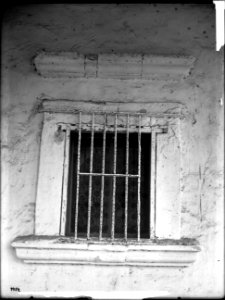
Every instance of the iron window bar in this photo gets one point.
(78, 176)
(114, 179)
(109, 174)
(126, 178)
(139, 179)
(105, 128)
(102, 181)
(90, 178)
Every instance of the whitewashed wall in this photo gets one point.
(150, 29)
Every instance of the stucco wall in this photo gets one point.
(151, 29)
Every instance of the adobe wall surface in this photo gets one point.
(144, 29)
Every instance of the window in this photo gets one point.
(159, 123)
(104, 185)
(109, 179)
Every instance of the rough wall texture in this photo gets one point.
(151, 29)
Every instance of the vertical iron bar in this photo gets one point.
(139, 180)
(153, 185)
(90, 178)
(78, 176)
(126, 179)
(114, 179)
(103, 180)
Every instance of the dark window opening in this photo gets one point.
(132, 212)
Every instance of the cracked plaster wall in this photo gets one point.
(152, 29)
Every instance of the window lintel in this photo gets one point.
(156, 109)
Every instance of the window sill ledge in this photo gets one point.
(61, 250)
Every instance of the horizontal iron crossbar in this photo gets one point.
(106, 174)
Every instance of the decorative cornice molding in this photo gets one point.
(116, 66)
(58, 250)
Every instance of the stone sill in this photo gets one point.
(63, 250)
